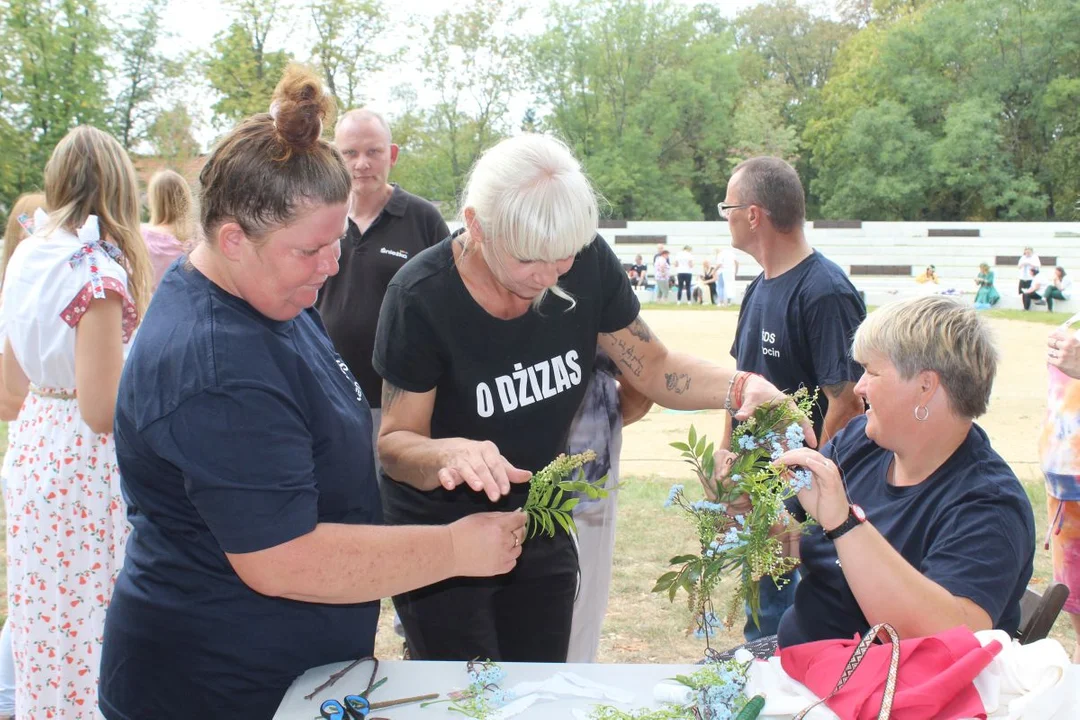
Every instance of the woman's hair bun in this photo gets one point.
(299, 107)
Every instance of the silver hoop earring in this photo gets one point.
(925, 414)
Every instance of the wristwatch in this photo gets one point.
(855, 517)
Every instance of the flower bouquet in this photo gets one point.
(738, 522)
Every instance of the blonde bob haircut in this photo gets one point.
(533, 201)
(937, 334)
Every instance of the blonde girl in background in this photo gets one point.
(72, 298)
(171, 229)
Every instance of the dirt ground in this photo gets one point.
(1013, 422)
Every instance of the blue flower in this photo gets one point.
(795, 436)
(708, 506)
(740, 520)
(676, 490)
(777, 450)
(746, 442)
(736, 477)
(801, 480)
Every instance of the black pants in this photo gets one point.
(712, 292)
(1023, 285)
(684, 282)
(523, 616)
(1028, 298)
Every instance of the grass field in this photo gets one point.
(644, 627)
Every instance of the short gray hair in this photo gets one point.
(531, 197)
(939, 334)
(361, 114)
(774, 185)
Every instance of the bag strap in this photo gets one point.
(856, 659)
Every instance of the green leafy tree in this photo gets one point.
(241, 67)
(172, 137)
(346, 32)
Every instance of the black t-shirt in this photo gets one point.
(350, 301)
(968, 527)
(517, 383)
(234, 433)
(796, 329)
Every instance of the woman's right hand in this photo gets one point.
(487, 544)
(480, 465)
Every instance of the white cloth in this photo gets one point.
(1023, 682)
(67, 522)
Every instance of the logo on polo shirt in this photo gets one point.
(403, 254)
(348, 376)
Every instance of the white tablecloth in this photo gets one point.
(408, 678)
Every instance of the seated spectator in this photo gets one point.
(1060, 288)
(635, 278)
(987, 295)
(920, 523)
(1032, 293)
(1029, 265)
(708, 279)
(928, 276)
(642, 271)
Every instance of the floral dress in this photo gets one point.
(67, 524)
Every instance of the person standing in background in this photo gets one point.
(662, 276)
(728, 266)
(1029, 266)
(684, 273)
(797, 318)
(608, 406)
(387, 226)
(74, 295)
(171, 230)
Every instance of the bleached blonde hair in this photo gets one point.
(532, 199)
(939, 334)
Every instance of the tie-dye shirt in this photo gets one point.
(1059, 444)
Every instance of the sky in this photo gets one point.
(192, 24)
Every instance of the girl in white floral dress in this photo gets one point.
(72, 299)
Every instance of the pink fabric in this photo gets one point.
(164, 248)
(934, 680)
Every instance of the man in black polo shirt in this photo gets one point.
(387, 226)
(797, 318)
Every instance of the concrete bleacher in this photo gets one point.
(882, 258)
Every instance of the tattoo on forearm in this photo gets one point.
(835, 391)
(627, 356)
(677, 384)
(390, 393)
(640, 330)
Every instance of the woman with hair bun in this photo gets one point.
(245, 448)
(73, 296)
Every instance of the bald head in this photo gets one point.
(360, 117)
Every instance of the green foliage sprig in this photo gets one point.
(552, 499)
(483, 696)
(733, 543)
(717, 695)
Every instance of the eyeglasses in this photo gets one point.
(725, 210)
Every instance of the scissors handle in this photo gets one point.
(357, 706)
(332, 710)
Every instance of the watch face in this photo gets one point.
(858, 513)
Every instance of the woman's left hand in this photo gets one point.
(1063, 351)
(826, 499)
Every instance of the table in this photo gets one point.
(406, 678)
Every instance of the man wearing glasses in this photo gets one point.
(797, 318)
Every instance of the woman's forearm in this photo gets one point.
(889, 589)
(414, 459)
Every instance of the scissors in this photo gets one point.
(356, 707)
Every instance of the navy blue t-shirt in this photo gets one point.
(796, 329)
(968, 527)
(234, 433)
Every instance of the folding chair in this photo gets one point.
(1038, 611)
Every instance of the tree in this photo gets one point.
(54, 78)
(146, 73)
(240, 67)
(472, 62)
(171, 136)
(347, 30)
